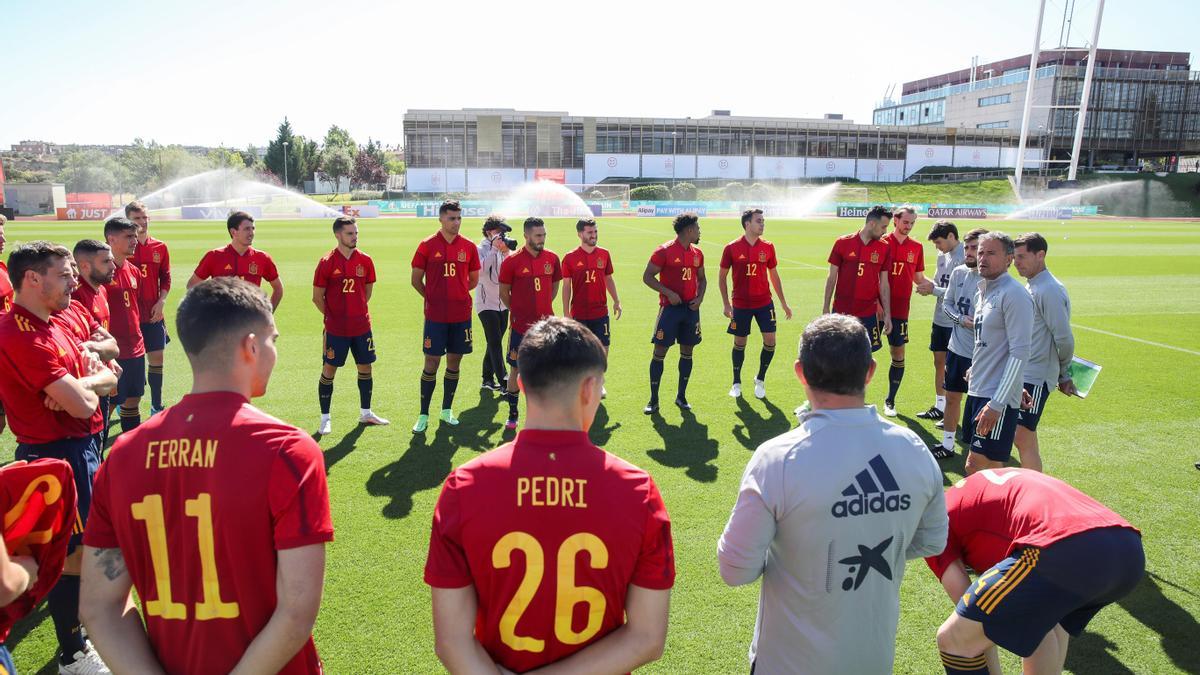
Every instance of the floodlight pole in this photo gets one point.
(674, 154)
(1081, 118)
(1033, 64)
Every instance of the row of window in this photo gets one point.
(993, 125)
(929, 112)
(998, 99)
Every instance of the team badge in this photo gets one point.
(874, 257)
(732, 325)
(157, 257)
(462, 256)
(360, 271)
(658, 335)
(428, 343)
(329, 352)
(599, 263)
(512, 355)
(548, 269)
(910, 257)
(253, 269)
(695, 261)
(762, 257)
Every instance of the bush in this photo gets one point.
(596, 194)
(735, 191)
(359, 195)
(650, 193)
(759, 192)
(684, 192)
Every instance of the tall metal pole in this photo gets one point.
(1033, 64)
(1087, 92)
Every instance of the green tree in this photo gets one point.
(92, 171)
(274, 160)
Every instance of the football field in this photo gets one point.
(1131, 444)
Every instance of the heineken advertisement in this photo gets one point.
(483, 208)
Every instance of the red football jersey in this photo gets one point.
(859, 265)
(199, 499)
(38, 500)
(588, 273)
(447, 276)
(549, 511)
(906, 260)
(77, 321)
(125, 321)
(252, 266)
(95, 300)
(6, 290)
(35, 355)
(532, 280)
(996, 510)
(154, 262)
(678, 269)
(345, 281)
(751, 285)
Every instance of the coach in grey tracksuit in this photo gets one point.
(827, 515)
(1003, 330)
(1052, 345)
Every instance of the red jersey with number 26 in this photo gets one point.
(532, 280)
(751, 286)
(588, 273)
(679, 269)
(551, 531)
(200, 498)
(996, 510)
(859, 265)
(906, 260)
(448, 268)
(345, 281)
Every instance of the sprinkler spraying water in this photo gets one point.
(212, 194)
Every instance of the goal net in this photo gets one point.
(600, 192)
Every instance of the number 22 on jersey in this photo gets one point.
(150, 511)
(567, 594)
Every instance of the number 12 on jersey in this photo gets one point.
(150, 511)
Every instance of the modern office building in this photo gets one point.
(479, 150)
(1144, 105)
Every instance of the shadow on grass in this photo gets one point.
(955, 465)
(338, 452)
(428, 459)
(755, 429)
(686, 446)
(1176, 628)
(601, 433)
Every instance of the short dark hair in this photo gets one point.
(36, 256)
(493, 222)
(218, 308)
(975, 234)
(879, 211)
(133, 206)
(584, 223)
(684, 220)
(558, 350)
(532, 222)
(748, 215)
(343, 221)
(235, 220)
(1006, 242)
(835, 354)
(89, 247)
(942, 229)
(449, 205)
(1033, 242)
(117, 225)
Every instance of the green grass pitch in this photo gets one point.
(1130, 444)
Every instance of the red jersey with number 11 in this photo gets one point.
(200, 498)
(551, 531)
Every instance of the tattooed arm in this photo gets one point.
(107, 610)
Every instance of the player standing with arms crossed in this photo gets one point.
(240, 259)
(549, 550)
(1052, 346)
(753, 261)
(590, 270)
(216, 512)
(906, 266)
(125, 321)
(342, 286)
(676, 271)
(858, 276)
(528, 285)
(445, 268)
(153, 260)
(944, 236)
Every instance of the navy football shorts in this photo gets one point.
(742, 318)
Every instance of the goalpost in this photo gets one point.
(829, 192)
(600, 192)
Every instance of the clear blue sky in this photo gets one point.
(226, 72)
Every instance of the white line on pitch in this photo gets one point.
(1134, 339)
